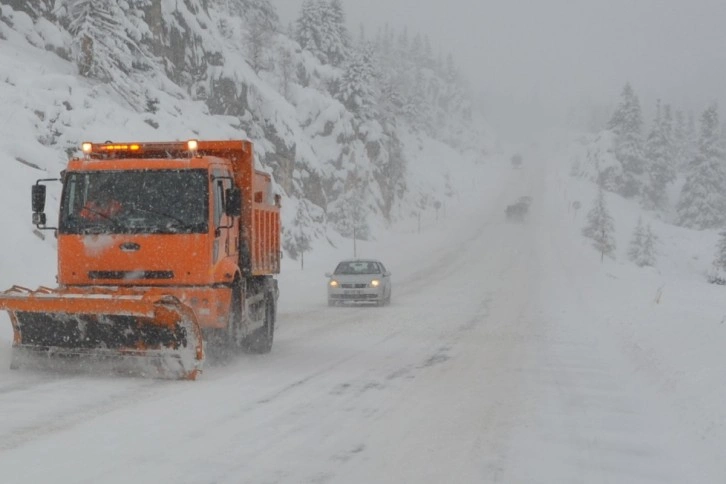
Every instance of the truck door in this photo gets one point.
(225, 232)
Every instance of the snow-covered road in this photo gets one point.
(491, 365)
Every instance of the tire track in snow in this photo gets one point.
(58, 421)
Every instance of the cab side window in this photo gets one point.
(218, 202)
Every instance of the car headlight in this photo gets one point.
(333, 283)
(375, 283)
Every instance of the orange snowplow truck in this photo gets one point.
(161, 248)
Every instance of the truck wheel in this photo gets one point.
(235, 333)
(260, 341)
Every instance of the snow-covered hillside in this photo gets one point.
(185, 70)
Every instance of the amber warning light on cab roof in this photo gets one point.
(190, 146)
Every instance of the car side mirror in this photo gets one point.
(328, 274)
(38, 198)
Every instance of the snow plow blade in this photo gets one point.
(145, 335)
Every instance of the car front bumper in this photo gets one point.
(355, 295)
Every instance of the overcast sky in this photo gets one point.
(536, 54)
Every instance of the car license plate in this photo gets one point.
(352, 291)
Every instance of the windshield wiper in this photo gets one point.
(99, 229)
(157, 212)
(94, 227)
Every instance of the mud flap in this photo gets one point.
(150, 336)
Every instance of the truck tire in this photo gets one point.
(235, 331)
(260, 341)
(225, 342)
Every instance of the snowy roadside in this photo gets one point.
(668, 321)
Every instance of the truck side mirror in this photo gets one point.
(38, 196)
(39, 219)
(233, 205)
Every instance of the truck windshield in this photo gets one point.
(135, 202)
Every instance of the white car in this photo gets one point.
(359, 280)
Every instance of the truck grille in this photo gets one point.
(130, 275)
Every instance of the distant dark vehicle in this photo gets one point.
(517, 211)
(516, 161)
(526, 200)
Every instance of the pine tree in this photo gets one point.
(389, 100)
(642, 248)
(357, 85)
(452, 72)
(403, 40)
(718, 276)
(691, 138)
(649, 251)
(286, 67)
(302, 76)
(100, 45)
(348, 211)
(669, 134)
(659, 161)
(308, 27)
(34, 8)
(110, 42)
(415, 102)
(600, 227)
(257, 41)
(339, 41)
(702, 204)
(417, 50)
(627, 124)
(350, 216)
(680, 142)
(668, 122)
(298, 240)
(321, 30)
(428, 52)
(636, 242)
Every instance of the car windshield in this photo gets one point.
(357, 267)
(122, 202)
